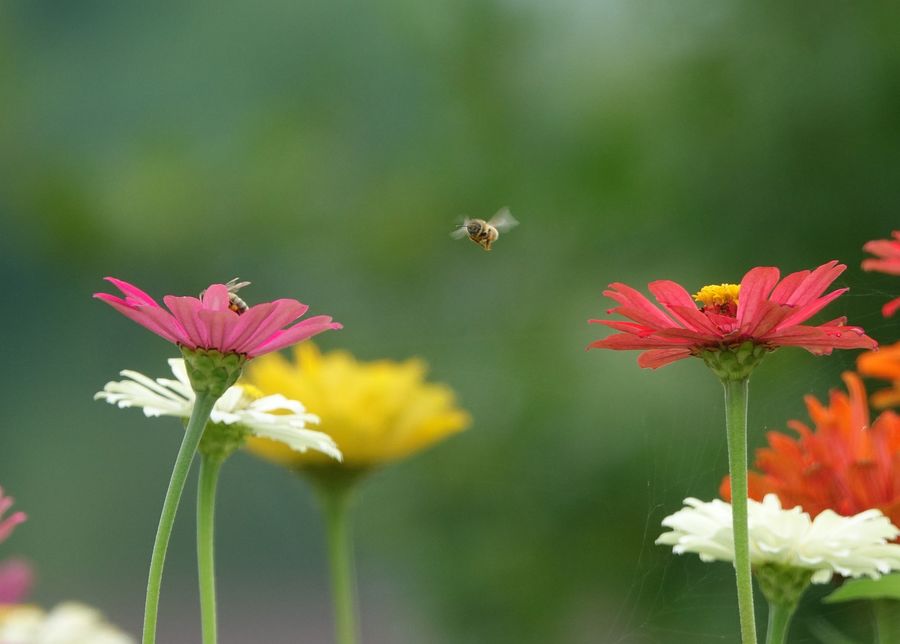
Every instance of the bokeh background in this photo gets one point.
(324, 150)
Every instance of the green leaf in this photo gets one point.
(887, 587)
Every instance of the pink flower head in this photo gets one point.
(213, 322)
(886, 260)
(761, 310)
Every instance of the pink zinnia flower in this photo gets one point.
(761, 310)
(886, 260)
(211, 322)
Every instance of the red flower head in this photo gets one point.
(214, 322)
(844, 464)
(886, 260)
(760, 311)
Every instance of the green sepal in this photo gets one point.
(734, 362)
(783, 585)
(886, 587)
(221, 441)
(212, 371)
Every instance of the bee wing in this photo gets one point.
(460, 231)
(234, 285)
(503, 220)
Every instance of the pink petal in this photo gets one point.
(626, 341)
(681, 305)
(886, 266)
(16, 580)
(755, 288)
(634, 300)
(697, 321)
(185, 309)
(297, 333)
(8, 524)
(816, 283)
(786, 287)
(282, 313)
(890, 308)
(661, 357)
(830, 337)
(805, 312)
(160, 325)
(770, 317)
(216, 297)
(248, 322)
(218, 326)
(883, 247)
(627, 327)
(132, 292)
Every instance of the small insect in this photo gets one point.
(484, 233)
(235, 303)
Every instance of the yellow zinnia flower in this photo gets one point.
(376, 412)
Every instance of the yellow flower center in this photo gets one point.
(718, 295)
(251, 393)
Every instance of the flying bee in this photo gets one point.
(235, 303)
(484, 233)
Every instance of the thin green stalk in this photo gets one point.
(779, 622)
(736, 397)
(210, 467)
(192, 435)
(336, 504)
(887, 620)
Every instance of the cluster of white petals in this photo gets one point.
(850, 546)
(68, 623)
(274, 417)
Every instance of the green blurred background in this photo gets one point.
(324, 150)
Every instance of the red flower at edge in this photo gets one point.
(886, 260)
(761, 310)
(844, 464)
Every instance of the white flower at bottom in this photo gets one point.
(274, 417)
(849, 546)
(68, 623)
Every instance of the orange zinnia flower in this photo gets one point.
(884, 364)
(845, 463)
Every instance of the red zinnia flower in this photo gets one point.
(887, 260)
(844, 464)
(760, 310)
(210, 321)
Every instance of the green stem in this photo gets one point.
(779, 622)
(887, 620)
(736, 397)
(336, 502)
(202, 408)
(210, 467)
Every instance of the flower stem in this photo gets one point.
(779, 622)
(210, 467)
(736, 397)
(202, 408)
(887, 620)
(336, 504)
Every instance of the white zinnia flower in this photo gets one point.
(68, 623)
(849, 546)
(237, 406)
